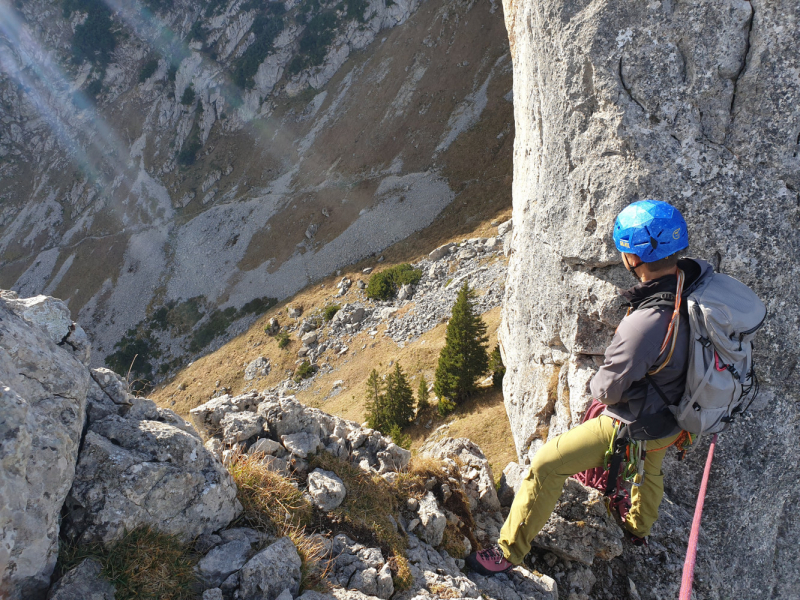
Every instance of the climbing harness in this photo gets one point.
(691, 553)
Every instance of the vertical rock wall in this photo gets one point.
(697, 104)
(43, 387)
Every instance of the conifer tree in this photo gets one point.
(376, 412)
(422, 395)
(399, 399)
(463, 358)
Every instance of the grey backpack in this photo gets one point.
(724, 315)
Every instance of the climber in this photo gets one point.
(647, 346)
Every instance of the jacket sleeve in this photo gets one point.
(632, 352)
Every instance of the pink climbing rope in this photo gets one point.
(691, 553)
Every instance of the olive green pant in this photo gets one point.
(572, 452)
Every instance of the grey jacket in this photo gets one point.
(635, 349)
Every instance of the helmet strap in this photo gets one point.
(631, 269)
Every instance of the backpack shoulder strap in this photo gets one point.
(660, 299)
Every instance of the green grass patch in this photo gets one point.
(143, 565)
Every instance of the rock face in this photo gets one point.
(43, 389)
(148, 467)
(270, 572)
(84, 458)
(83, 582)
(695, 104)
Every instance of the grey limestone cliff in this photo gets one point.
(692, 103)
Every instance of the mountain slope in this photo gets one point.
(152, 197)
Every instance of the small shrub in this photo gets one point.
(445, 406)
(158, 5)
(187, 99)
(356, 9)
(330, 311)
(148, 69)
(93, 40)
(197, 33)
(93, 89)
(258, 306)
(217, 323)
(172, 72)
(132, 357)
(399, 438)
(384, 285)
(143, 564)
(304, 371)
(190, 148)
(283, 339)
(266, 28)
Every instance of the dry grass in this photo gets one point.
(368, 505)
(270, 502)
(273, 504)
(144, 564)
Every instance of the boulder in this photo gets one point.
(114, 386)
(83, 582)
(432, 519)
(48, 314)
(237, 427)
(327, 491)
(207, 418)
(266, 446)
(145, 472)
(504, 227)
(301, 444)
(405, 292)
(476, 473)
(43, 391)
(294, 312)
(270, 572)
(257, 368)
(213, 594)
(222, 560)
(273, 327)
(580, 527)
(440, 252)
(309, 338)
(510, 482)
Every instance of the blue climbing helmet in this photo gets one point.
(651, 230)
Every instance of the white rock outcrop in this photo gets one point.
(692, 103)
(326, 489)
(43, 389)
